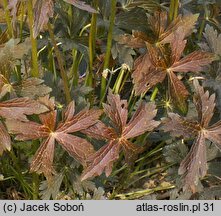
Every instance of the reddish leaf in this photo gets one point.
(16, 110)
(80, 121)
(20, 107)
(186, 23)
(43, 158)
(204, 103)
(100, 131)
(35, 130)
(130, 151)
(178, 45)
(213, 133)
(141, 121)
(48, 102)
(116, 109)
(43, 10)
(158, 23)
(178, 92)
(103, 159)
(136, 40)
(179, 126)
(193, 62)
(161, 61)
(75, 146)
(194, 166)
(145, 75)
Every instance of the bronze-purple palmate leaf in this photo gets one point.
(118, 136)
(160, 63)
(194, 165)
(48, 130)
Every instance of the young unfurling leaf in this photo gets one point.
(77, 147)
(194, 165)
(117, 137)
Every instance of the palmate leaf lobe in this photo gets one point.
(43, 10)
(213, 39)
(194, 166)
(16, 109)
(77, 147)
(118, 136)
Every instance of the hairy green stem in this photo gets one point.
(34, 50)
(60, 64)
(109, 45)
